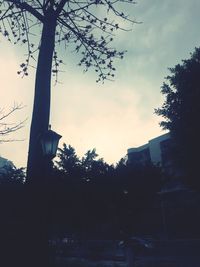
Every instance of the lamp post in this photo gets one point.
(49, 142)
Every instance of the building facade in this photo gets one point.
(156, 151)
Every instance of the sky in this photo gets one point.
(113, 116)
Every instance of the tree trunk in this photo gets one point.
(41, 108)
(36, 231)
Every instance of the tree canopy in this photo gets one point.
(180, 112)
(106, 199)
(89, 25)
(44, 26)
(10, 175)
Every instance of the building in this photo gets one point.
(156, 151)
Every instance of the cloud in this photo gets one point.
(15, 90)
(118, 115)
(107, 117)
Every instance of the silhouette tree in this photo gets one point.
(106, 200)
(81, 23)
(7, 128)
(10, 175)
(68, 163)
(136, 195)
(180, 112)
(87, 183)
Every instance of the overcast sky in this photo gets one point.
(113, 116)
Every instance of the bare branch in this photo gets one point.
(27, 7)
(12, 110)
(60, 7)
(79, 22)
(8, 128)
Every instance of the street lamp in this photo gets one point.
(49, 141)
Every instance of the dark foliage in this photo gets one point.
(86, 198)
(45, 28)
(181, 111)
(10, 175)
(94, 198)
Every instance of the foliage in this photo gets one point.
(46, 26)
(90, 198)
(68, 162)
(86, 168)
(180, 112)
(99, 199)
(10, 175)
(80, 23)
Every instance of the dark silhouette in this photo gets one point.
(8, 128)
(62, 22)
(98, 199)
(88, 199)
(10, 175)
(85, 197)
(180, 112)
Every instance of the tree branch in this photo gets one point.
(60, 7)
(8, 128)
(28, 8)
